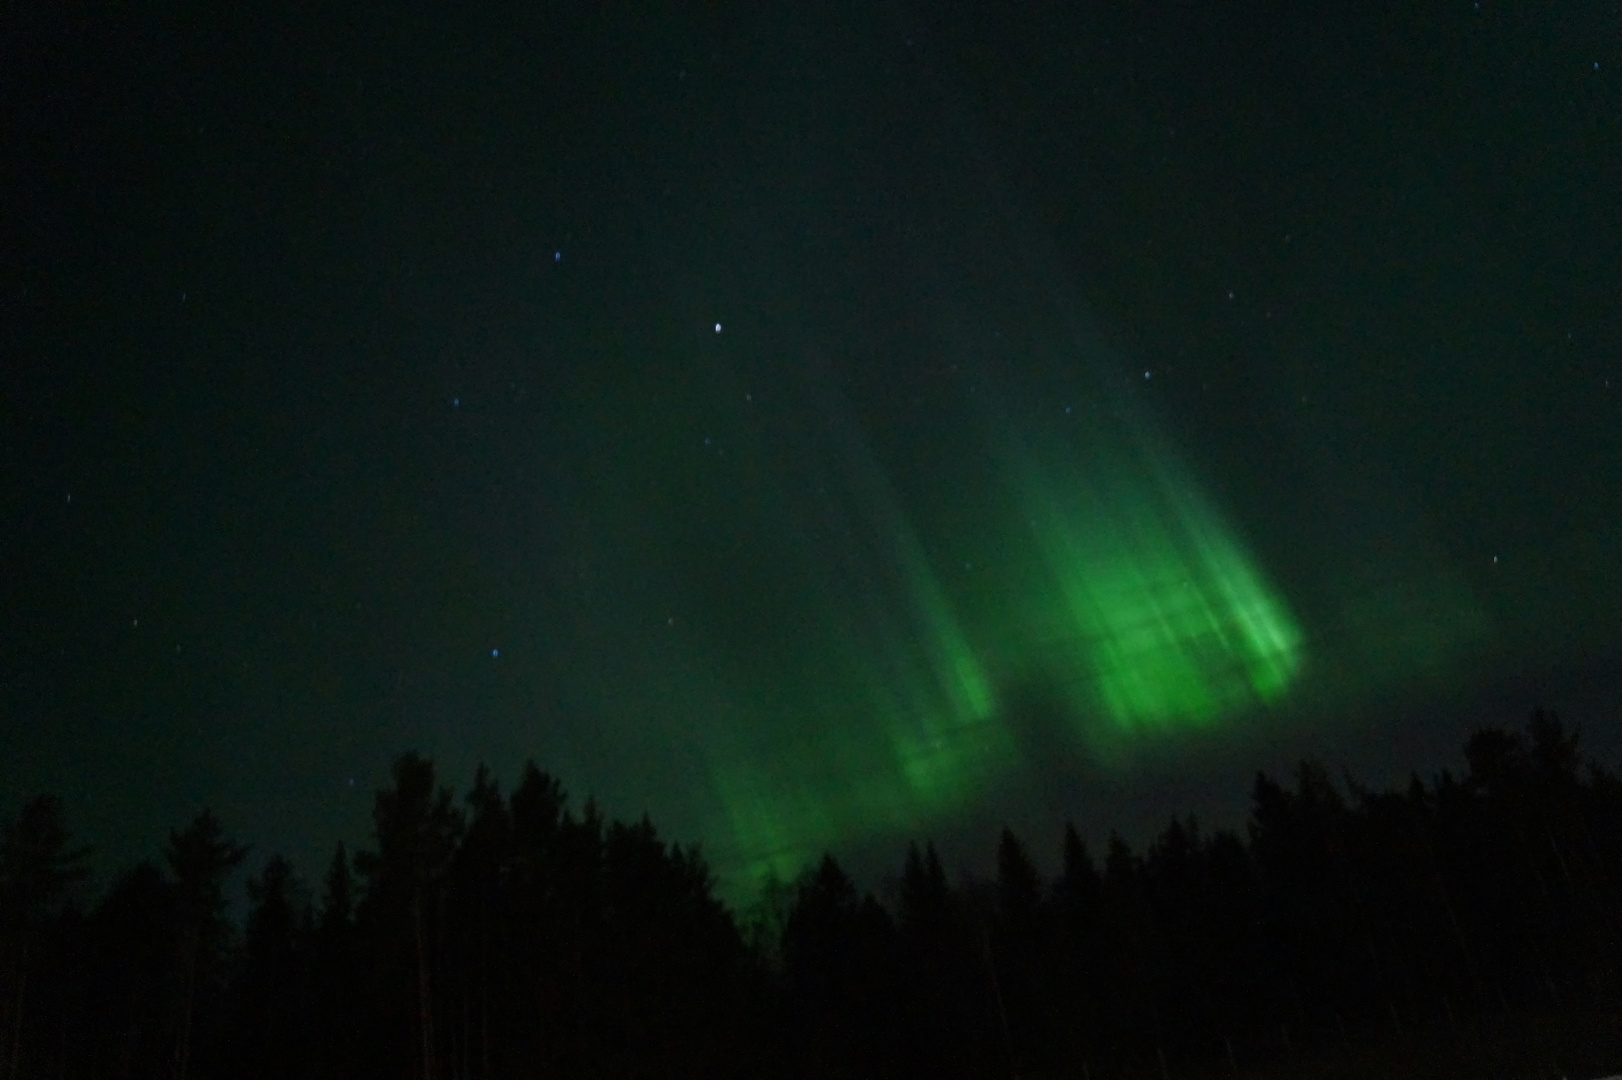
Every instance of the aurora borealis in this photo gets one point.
(1139, 603)
(818, 431)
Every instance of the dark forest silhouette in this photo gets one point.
(1466, 926)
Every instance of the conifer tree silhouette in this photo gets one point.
(416, 826)
(200, 857)
(38, 865)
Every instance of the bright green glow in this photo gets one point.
(1163, 620)
(946, 691)
(855, 650)
(900, 726)
(1119, 585)
(847, 678)
(919, 678)
(879, 632)
(781, 813)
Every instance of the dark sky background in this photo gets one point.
(814, 425)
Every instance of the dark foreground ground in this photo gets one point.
(1575, 1044)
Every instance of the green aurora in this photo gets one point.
(1115, 582)
(747, 416)
(849, 650)
(844, 649)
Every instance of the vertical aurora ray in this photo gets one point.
(1110, 578)
(900, 725)
(1159, 620)
(840, 675)
(844, 679)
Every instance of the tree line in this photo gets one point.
(510, 935)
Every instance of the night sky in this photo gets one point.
(817, 426)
